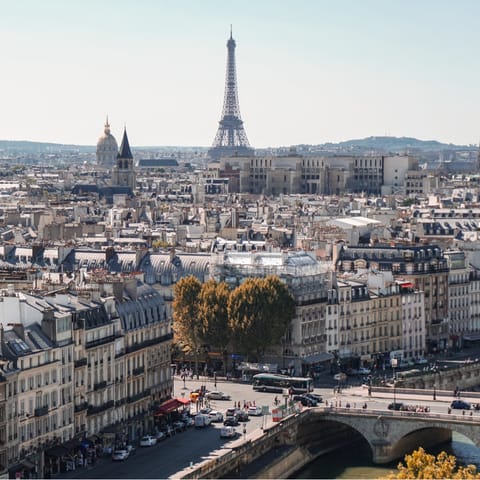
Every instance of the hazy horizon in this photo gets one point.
(309, 71)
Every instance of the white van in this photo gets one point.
(202, 420)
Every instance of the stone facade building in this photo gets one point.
(305, 342)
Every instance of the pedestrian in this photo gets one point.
(449, 410)
(463, 412)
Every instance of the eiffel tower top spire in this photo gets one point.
(231, 138)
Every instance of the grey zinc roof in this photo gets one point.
(161, 268)
(136, 313)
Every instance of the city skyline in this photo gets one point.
(308, 71)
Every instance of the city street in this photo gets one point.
(195, 445)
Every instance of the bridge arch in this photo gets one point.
(390, 435)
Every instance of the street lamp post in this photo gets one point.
(394, 364)
(434, 391)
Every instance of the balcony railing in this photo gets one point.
(81, 362)
(100, 341)
(148, 343)
(92, 410)
(99, 385)
(81, 407)
(138, 396)
(138, 371)
(41, 411)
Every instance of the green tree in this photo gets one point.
(187, 328)
(259, 311)
(420, 464)
(213, 315)
(280, 307)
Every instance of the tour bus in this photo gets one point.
(269, 382)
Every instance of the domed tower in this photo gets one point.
(107, 148)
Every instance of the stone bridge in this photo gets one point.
(284, 448)
(390, 434)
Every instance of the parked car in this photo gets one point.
(202, 420)
(120, 454)
(206, 410)
(167, 429)
(216, 416)
(230, 412)
(255, 411)
(396, 406)
(421, 361)
(305, 401)
(217, 395)
(364, 371)
(314, 396)
(228, 432)
(231, 421)
(242, 416)
(188, 421)
(460, 405)
(160, 436)
(148, 441)
(179, 426)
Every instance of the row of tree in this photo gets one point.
(247, 319)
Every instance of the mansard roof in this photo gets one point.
(34, 340)
(166, 268)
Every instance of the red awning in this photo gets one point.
(168, 406)
(407, 285)
(183, 401)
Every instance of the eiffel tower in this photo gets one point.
(231, 139)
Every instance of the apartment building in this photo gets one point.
(39, 345)
(413, 321)
(305, 343)
(424, 266)
(369, 322)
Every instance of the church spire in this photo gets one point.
(125, 151)
(107, 127)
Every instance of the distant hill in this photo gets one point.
(378, 144)
(26, 146)
(399, 144)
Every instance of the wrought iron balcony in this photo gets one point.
(41, 411)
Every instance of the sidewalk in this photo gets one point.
(79, 472)
(442, 396)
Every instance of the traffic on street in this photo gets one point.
(164, 457)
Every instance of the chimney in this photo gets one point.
(131, 288)
(18, 329)
(118, 291)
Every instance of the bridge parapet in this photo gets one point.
(391, 434)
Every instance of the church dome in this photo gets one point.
(107, 148)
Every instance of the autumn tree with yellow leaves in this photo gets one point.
(420, 464)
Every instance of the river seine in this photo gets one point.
(351, 462)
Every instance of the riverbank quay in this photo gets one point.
(253, 452)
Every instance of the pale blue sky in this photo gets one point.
(309, 71)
